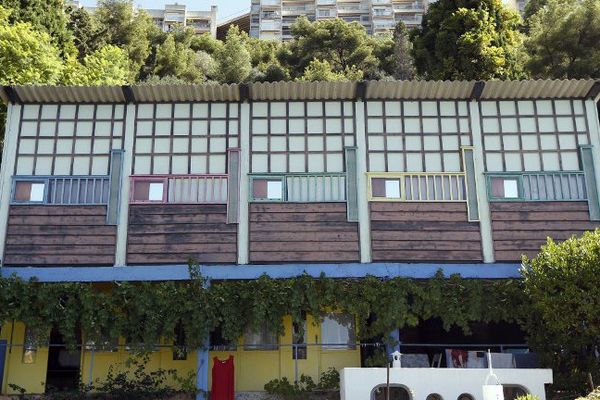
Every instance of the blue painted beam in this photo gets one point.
(230, 272)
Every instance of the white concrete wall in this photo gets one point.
(358, 383)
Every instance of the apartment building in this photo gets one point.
(346, 179)
(272, 19)
(178, 15)
(173, 16)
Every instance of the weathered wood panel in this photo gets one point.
(176, 233)
(522, 227)
(59, 235)
(422, 232)
(307, 232)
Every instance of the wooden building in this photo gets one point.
(346, 179)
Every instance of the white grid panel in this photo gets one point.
(416, 136)
(68, 139)
(288, 137)
(533, 135)
(184, 138)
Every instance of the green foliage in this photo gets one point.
(148, 312)
(344, 46)
(594, 395)
(86, 32)
(129, 30)
(175, 59)
(234, 59)
(106, 66)
(528, 396)
(284, 390)
(469, 39)
(564, 40)
(563, 287)
(27, 56)
(330, 379)
(322, 71)
(44, 16)
(403, 63)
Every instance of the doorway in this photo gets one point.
(64, 365)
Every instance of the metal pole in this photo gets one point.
(387, 384)
(295, 348)
(91, 380)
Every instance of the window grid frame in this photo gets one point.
(53, 156)
(172, 119)
(457, 116)
(343, 134)
(572, 115)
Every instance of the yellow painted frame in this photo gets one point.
(400, 176)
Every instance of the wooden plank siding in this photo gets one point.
(423, 232)
(302, 232)
(522, 227)
(176, 233)
(42, 235)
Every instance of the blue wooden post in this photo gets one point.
(202, 371)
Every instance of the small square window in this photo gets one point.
(29, 192)
(386, 188)
(505, 188)
(148, 191)
(267, 189)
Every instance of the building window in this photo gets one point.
(267, 189)
(29, 192)
(385, 188)
(219, 343)
(261, 339)
(30, 346)
(148, 190)
(505, 187)
(337, 332)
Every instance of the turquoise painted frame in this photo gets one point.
(519, 176)
(283, 178)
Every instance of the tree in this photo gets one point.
(532, 7)
(234, 60)
(85, 32)
(45, 16)
(404, 68)
(343, 45)
(469, 39)
(562, 285)
(27, 56)
(107, 66)
(322, 71)
(131, 30)
(564, 40)
(177, 60)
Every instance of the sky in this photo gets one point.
(227, 8)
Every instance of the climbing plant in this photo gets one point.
(147, 312)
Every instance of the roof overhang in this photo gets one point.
(298, 91)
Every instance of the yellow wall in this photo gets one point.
(253, 368)
(31, 377)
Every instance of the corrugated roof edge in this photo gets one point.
(281, 91)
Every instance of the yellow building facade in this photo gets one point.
(253, 368)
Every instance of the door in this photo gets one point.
(3, 344)
(63, 365)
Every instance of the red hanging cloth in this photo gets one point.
(222, 379)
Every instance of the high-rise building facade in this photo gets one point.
(173, 16)
(272, 19)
